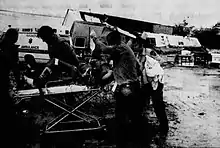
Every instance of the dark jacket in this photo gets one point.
(4, 75)
(62, 50)
(11, 59)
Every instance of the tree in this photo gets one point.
(208, 37)
(217, 25)
(182, 29)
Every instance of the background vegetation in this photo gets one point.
(208, 37)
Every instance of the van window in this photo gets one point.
(152, 41)
(27, 29)
(79, 42)
(180, 43)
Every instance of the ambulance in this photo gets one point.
(30, 44)
(77, 35)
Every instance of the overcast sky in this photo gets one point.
(198, 12)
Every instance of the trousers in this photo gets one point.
(128, 112)
(158, 103)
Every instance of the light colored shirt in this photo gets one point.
(152, 72)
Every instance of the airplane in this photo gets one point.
(128, 23)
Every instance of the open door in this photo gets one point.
(70, 16)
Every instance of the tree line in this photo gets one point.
(208, 37)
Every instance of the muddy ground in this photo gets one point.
(193, 94)
(193, 108)
(192, 103)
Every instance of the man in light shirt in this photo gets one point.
(152, 86)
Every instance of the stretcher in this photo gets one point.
(70, 119)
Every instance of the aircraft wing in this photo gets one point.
(130, 25)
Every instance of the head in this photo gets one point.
(11, 35)
(29, 60)
(114, 38)
(153, 53)
(46, 33)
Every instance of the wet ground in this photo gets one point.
(193, 109)
(193, 95)
(192, 103)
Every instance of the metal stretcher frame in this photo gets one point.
(67, 109)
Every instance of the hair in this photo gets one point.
(45, 31)
(153, 53)
(114, 38)
(11, 35)
(29, 59)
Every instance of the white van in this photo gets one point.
(78, 37)
(29, 43)
(215, 57)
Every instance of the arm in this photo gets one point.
(129, 43)
(100, 45)
(104, 48)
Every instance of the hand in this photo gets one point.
(93, 34)
(29, 81)
(12, 94)
(110, 27)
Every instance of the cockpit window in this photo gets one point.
(80, 42)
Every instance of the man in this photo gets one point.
(57, 47)
(129, 105)
(11, 127)
(31, 66)
(32, 70)
(60, 52)
(10, 50)
(153, 87)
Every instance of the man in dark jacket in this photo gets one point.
(129, 105)
(10, 51)
(57, 47)
(60, 51)
(8, 61)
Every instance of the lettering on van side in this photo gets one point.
(32, 47)
(31, 35)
